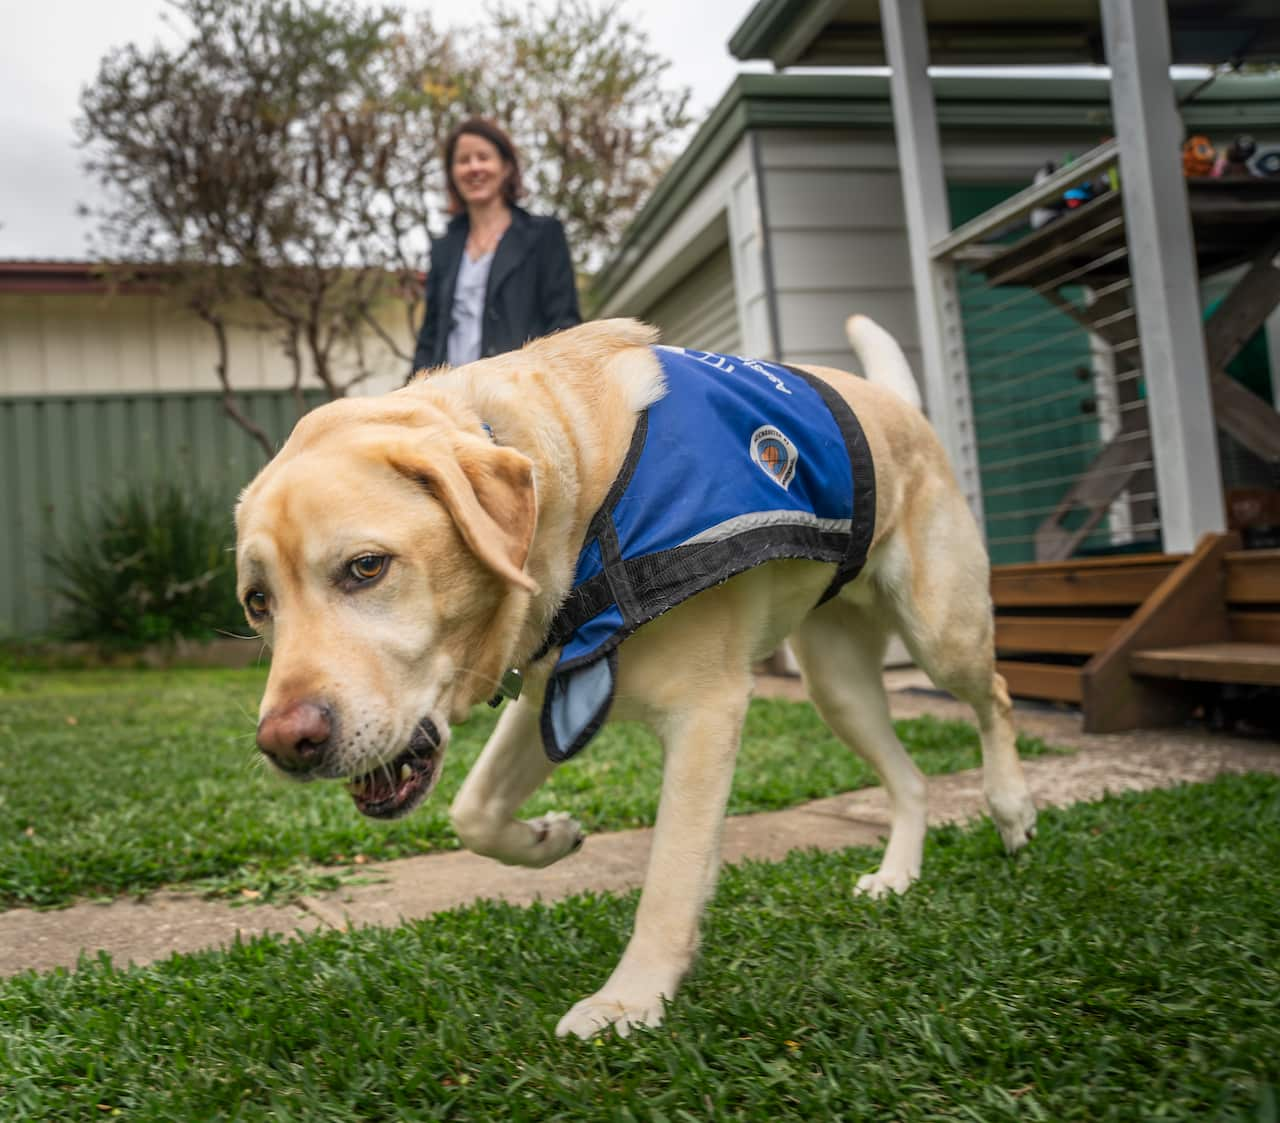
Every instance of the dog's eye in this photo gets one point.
(367, 567)
(255, 604)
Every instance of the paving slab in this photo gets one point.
(417, 887)
(137, 931)
(411, 888)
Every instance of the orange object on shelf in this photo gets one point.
(1198, 156)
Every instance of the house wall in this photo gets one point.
(837, 230)
(725, 213)
(74, 343)
(701, 311)
(814, 225)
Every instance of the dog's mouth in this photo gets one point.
(397, 786)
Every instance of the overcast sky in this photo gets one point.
(49, 49)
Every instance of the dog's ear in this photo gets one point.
(488, 492)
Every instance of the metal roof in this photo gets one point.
(998, 32)
(57, 275)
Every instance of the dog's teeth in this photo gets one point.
(405, 772)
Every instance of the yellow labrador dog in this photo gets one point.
(402, 554)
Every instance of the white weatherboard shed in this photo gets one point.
(65, 330)
(104, 389)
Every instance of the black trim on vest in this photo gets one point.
(572, 608)
(616, 572)
(623, 481)
(673, 572)
(862, 469)
(590, 730)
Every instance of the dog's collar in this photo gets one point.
(488, 430)
(509, 687)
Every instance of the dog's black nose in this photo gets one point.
(294, 735)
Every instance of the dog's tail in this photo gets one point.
(881, 357)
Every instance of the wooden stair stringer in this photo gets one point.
(1188, 607)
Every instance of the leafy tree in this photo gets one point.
(584, 98)
(281, 164)
(261, 162)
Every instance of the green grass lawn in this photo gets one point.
(116, 782)
(1126, 967)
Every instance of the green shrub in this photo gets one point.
(152, 565)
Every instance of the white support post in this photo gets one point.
(924, 193)
(1166, 286)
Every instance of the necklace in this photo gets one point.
(481, 243)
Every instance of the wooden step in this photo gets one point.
(1253, 664)
(1041, 680)
(1254, 627)
(1186, 609)
(1253, 577)
(1075, 584)
(1061, 635)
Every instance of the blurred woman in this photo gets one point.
(499, 276)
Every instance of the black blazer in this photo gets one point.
(531, 290)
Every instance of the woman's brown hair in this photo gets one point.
(512, 187)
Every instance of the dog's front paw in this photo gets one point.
(600, 1011)
(1015, 819)
(555, 835)
(882, 883)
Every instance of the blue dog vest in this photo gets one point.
(739, 463)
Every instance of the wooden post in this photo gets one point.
(924, 194)
(1158, 227)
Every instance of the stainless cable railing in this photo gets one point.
(1054, 372)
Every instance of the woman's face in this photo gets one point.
(479, 171)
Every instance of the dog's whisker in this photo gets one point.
(471, 671)
(236, 635)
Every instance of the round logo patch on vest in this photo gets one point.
(774, 453)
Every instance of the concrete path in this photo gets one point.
(164, 923)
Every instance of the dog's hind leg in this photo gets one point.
(510, 768)
(939, 593)
(840, 648)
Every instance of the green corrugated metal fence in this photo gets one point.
(61, 455)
